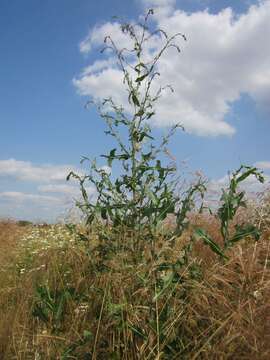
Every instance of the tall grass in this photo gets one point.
(60, 299)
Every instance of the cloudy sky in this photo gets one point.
(50, 65)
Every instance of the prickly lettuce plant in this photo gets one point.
(144, 194)
(232, 199)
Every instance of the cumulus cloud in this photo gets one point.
(30, 206)
(49, 196)
(16, 196)
(69, 191)
(226, 55)
(97, 35)
(59, 189)
(265, 165)
(26, 171)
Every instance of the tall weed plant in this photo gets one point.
(144, 194)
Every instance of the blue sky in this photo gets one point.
(221, 92)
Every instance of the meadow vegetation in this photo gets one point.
(151, 272)
(61, 299)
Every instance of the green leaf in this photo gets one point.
(167, 280)
(137, 331)
(144, 134)
(123, 157)
(135, 100)
(40, 313)
(103, 213)
(150, 114)
(244, 231)
(137, 67)
(111, 157)
(152, 196)
(69, 176)
(140, 112)
(82, 237)
(147, 156)
(213, 245)
(60, 306)
(246, 174)
(141, 78)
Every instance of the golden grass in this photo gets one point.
(105, 307)
(10, 233)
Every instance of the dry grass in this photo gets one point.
(105, 307)
(10, 233)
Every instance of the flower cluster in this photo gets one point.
(38, 242)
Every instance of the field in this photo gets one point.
(64, 296)
(152, 272)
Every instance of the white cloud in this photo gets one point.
(98, 65)
(97, 35)
(34, 207)
(226, 55)
(68, 190)
(59, 188)
(265, 165)
(48, 198)
(18, 197)
(26, 171)
(103, 84)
